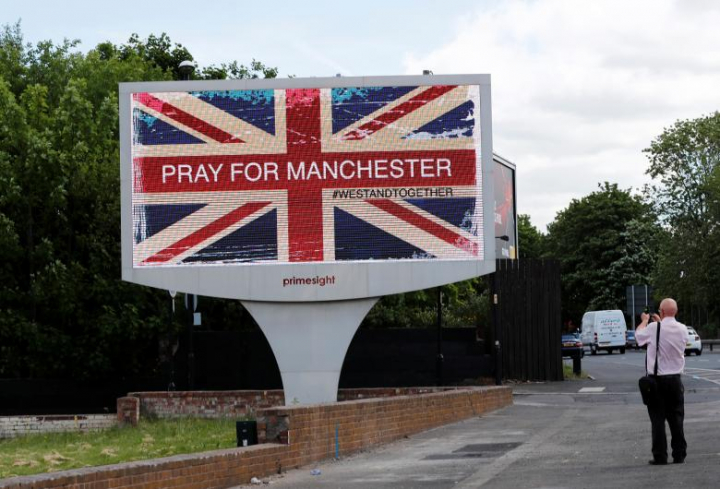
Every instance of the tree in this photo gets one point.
(234, 71)
(465, 304)
(685, 162)
(605, 241)
(64, 312)
(531, 242)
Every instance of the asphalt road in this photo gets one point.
(572, 434)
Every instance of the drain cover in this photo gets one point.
(477, 450)
(452, 456)
(488, 447)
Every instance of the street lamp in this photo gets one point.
(186, 68)
(172, 347)
(496, 321)
(439, 359)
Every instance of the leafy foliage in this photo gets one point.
(685, 160)
(465, 304)
(531, 242)
(63, 309)
(605, 241)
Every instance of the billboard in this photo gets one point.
(505, 209)
(305, 189)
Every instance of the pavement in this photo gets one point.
(572, 434)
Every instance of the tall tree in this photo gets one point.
(605, 242)
(63, 309)
(531, 242)
(685, 162)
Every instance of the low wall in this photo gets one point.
(205, 404)
(376, 392)
(12, 426)
(315, 432)
(292, 436)
(216, 404)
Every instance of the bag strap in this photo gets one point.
(657, 347)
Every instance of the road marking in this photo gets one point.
(709, 375)
(592, 389)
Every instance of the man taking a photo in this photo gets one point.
(669, 405)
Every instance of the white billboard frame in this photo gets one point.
(264, 281)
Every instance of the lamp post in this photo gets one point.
(439, 359)
(496, 321)
(191, 301)
(186, 69)
(171, 345)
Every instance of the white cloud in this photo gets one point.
(581, 88)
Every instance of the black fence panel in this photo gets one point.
(408, 357)
(226, 360)
(527, 318)
(68, 396)
(244, 360)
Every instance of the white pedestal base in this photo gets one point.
(310, 340)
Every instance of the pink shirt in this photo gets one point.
(673, 336)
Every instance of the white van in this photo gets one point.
(603, 330)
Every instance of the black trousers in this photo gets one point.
(670, 407)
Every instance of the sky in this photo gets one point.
(579, 88)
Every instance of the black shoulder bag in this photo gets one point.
(648, 384)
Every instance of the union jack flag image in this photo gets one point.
(306, 175)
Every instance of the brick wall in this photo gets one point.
(292, 436)
(128, 411)
(204, 404)
(363, 423)
(11, 426)
(213, 404)
(373, 392)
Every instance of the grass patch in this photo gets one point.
(35, 454)
(569, 375)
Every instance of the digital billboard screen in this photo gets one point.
(505, 209)
(306, 175)
(335, 172)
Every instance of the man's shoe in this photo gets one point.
(657, 462)
(679, 460)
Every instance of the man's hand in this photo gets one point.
(645, 318)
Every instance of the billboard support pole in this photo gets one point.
(497, 352)
(310, 340)
(190, 304)
(439, 359)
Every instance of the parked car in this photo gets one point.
(572, 346)
(630, 341)
(694, 344)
